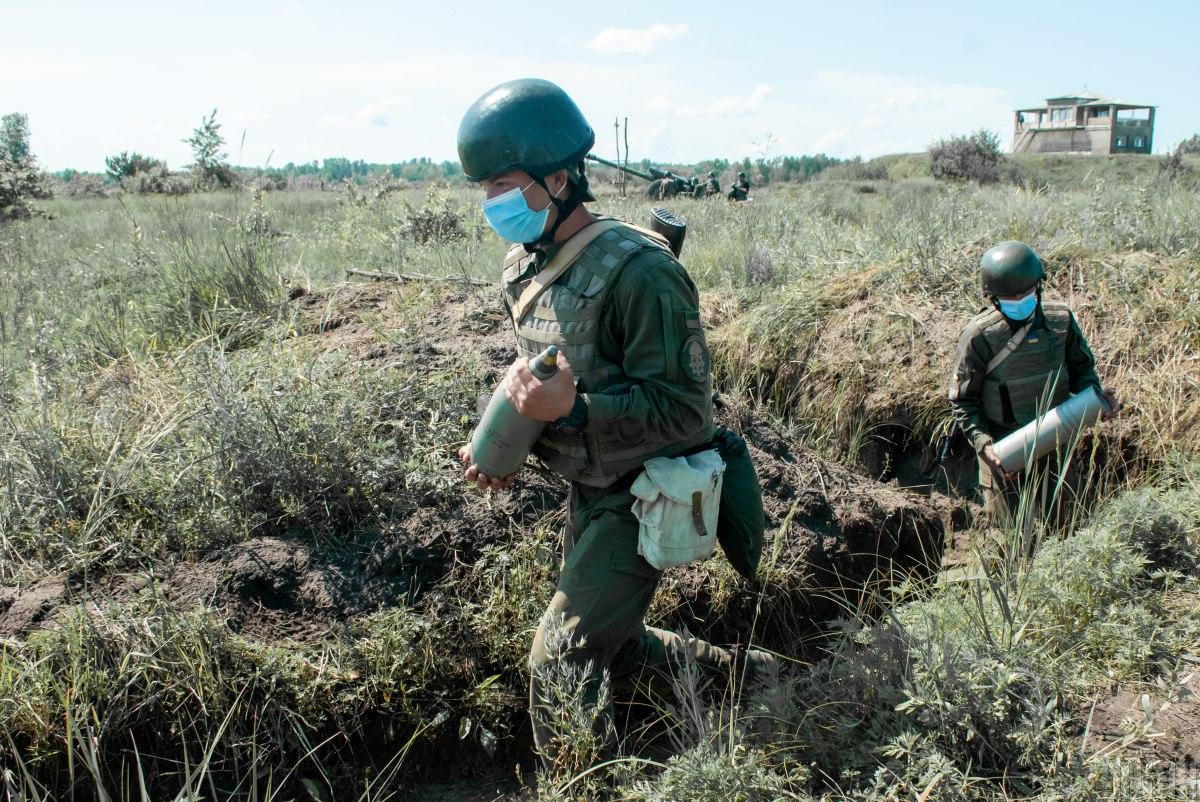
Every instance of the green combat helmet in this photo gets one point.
(531, 125)
(527, 124)
(1009, 268)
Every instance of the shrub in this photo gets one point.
(975, 157)
(1189, 146)
(856, 170)
(19, 182)
(439, 221)
(1173, 167)
(915, 165)
(270, 181)
(703, 774)
(126, 164)
(14, 137)
(20, 178)
(306, 183)
(210, 168)
(81, 185)
(1026, 176)
(156, 181)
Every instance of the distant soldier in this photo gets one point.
(741, 188)
(1017, 358)
(712, 186)
(638, 384)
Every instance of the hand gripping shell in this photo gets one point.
(1054, 430)
(502, 440)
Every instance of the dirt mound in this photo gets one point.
(272, 589)
(23, 609)
(384, 323)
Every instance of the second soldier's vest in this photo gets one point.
(567, 314)
(1033, 378)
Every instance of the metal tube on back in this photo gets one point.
(501, 442)
(672, 227)
(1051, 431)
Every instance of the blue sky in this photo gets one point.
(389, 81)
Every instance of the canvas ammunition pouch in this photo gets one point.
(1031, 379)
(567, 313)
(676, 500)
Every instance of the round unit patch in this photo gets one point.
(695, 359)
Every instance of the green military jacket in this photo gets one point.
(1054, 360)
(644, 373)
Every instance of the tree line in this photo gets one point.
(974, 157)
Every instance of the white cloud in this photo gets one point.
(871, 113)
(636, 40)
(377, 114)
(729, 106)
(656, 105)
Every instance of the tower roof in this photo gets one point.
(1086, 98)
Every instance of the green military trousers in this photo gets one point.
(1044, 495)
(603, 592)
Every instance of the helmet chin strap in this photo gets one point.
(563, 208)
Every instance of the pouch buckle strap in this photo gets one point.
(698, 513)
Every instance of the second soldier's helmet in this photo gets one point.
(527, 124)
(1009, 268)
(741, 175)
(712, 174)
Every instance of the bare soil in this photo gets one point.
(1146, 723)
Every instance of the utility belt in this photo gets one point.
(687, 504)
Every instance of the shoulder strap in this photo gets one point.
(559, 264)
(1013, 343)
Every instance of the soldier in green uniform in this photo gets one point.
(634, 380)
(741, 188)
(712, 186)
(1017, 358)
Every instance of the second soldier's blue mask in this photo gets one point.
(1019, 310)
(510, 216)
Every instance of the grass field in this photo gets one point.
(236, 561)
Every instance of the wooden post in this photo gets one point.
(617, 139)
(625, 176)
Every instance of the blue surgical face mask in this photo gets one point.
(510, 216)
(1019, 310)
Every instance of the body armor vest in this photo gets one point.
(567, 314)
(1033, 379)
